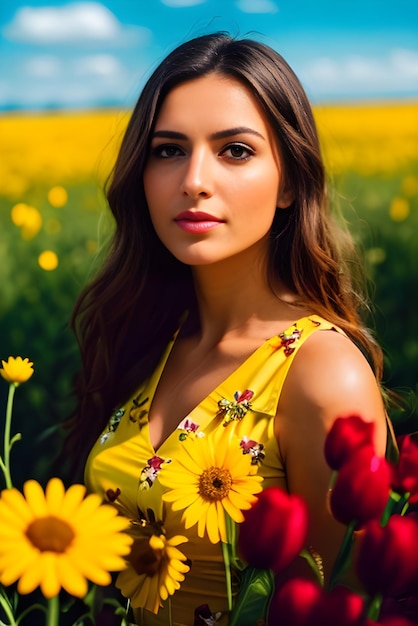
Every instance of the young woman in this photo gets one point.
(222, 337)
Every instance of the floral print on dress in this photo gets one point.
(188, 426)
(237, 408)
(288, 339)
(315, 322)
(112, 425)
(138, 413)
(254, 449)
(151, 471)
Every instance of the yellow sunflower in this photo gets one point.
(156, 567)
(59, 539)
(16, 370)
(209, 477)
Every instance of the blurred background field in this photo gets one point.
(54, 222)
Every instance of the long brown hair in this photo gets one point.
(125, 317)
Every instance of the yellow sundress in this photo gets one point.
(124, 469)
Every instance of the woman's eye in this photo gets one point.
(167, 151)
(238, 152)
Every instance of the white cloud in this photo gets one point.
(104, 65)
(406, 62)
(322, 69)
(43, 66)
(75, 22)
(176, 4)
(257, 6)
(395, 73)
(67, 90)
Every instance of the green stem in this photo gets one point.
(225, 552)
(374, 607)
(30, 609)
(7, 608)
(344, 555)
(52, 617)
(5, 466)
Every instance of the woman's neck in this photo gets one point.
(236, 300)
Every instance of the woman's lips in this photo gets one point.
(196, 221)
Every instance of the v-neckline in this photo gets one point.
(156, 376)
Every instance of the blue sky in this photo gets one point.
(85, 54)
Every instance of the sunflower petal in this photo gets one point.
(72, 499)
(50, 584)
(13, 502)
(177, 540)
(233, 512)
(194, 513)
(212, 526)
(71, 578)
(14, 568)
(54, 496)
(35, 498)
(185, 501)
(242, 502)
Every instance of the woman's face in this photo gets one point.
(213, 178)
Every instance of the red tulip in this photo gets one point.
(387, 560)
(294, 602)
(362, 489)
(346, 436)
(405, 473)
(274, 530)
(340, 606)
(302, 602)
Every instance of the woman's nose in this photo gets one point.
(197, 180)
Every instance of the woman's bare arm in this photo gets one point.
(329, 378)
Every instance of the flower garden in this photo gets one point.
(54, 229)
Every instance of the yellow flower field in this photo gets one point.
(59, 148)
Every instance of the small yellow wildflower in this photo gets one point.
(18, 213)
(16, 370)
(48, 260)
(399, 209)
(57, 196)
(59, 539)
(27, 218)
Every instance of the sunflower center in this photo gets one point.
(50, 534)
(144, 559)
(215, 483)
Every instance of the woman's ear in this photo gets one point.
(285, 197)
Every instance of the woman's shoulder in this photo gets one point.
(330, 377)
(331, 356)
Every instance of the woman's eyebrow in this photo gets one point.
(221, 134)
(239, 130)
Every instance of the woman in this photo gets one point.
(222, 336)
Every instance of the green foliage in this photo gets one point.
(35, 310)
(391, 261)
